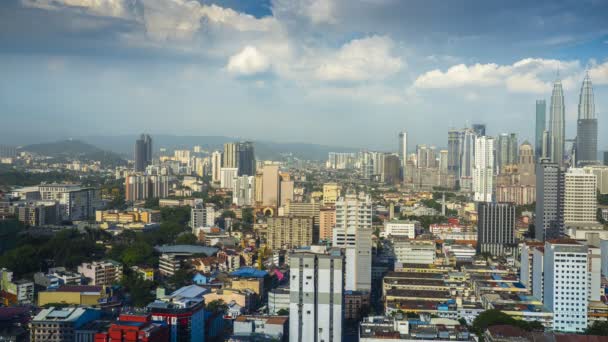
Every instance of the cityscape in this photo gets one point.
(287, 198)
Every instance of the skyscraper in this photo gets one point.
(580, 196)
(549, 218)
(454, 152)
(353, 232)
(480, 129)
(216, 166)
(586, 126)
(143, 152)
(403, 150)
(467, 158)
(495, 228)
(557, 118)
(541, 123)
(506, 150)
(316, 295)
(246, 158)
(483, 172)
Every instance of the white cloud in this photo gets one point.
(363, 59)
(316, 11)
(249, 61)
(599, 73)
(529, 75)
(108, 8)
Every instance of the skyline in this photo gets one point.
(351, 74)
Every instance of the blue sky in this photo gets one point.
(339, 72)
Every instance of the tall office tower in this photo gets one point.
(365, 161)
(495, 228)
(506, 151)
(454, 152)
(443, 161)
(467, 158)
(216, 166)
(479, 129)
(7, 151)
(566, 284)
(316, 295)
(557, 118)
(230, 158)
(580, 196)
(525, 166)
(143, 152)
(549, 218)
(586, 126)
(403, 149)
(353, 232)
(605, 157)
(327, 222)
(513, 148)
(271, 185)
(378, 162)
(431, 157)
(422, 156)
(391, 169)
(541, 123)
(546, 146)
(246, 158)
(285, 188)
(483, 173)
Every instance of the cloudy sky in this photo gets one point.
(340, 72)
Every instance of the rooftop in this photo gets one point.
(186, 249)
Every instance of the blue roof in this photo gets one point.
(249, 272)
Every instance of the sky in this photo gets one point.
(337, 72)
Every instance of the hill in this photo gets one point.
(64, 150)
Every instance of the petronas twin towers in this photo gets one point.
(585, 151)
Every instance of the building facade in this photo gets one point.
(495, 228)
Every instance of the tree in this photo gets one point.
(152, 203)
(492, 317)
(217, 306)
(248, 217)
(598, 328)
(137, 254)
(283, 312)
(181, 278)
(228, 213)
(140, 290)
(186, 239)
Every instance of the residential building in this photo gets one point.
(240, 155)
(353, 232)
(270, 186)
(549, 218)
(139, 187)
(130, 216)
(495, 228)
(183, 311)
(59, 324)
(601, 177)
(135, 328)
(79, 295)
(243, 191)
(580, 196)
(203, 215)
(104, 273)
(409, 251)
(21, 289)
(216, 166)
(483, 171)
(274, 328)
(327, 222)
(404, 228)
(317, 295)
(76, 202)
(289, 232)
(391, 170)
(227, 176)
(278, 299)
(331, 193)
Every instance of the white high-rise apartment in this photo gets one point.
(316, 294)
(566, 283)
(403, 149)
(353, 232)
(580, 198)
(483, 171)
(243, 190)
(227, 176)
(216, 166)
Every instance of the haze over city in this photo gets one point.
(331, 72)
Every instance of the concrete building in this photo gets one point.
(183, 311)
(495, 228)
(143, 152)
(135, 328)
(586, 126)
(102, 273)
(55, 324)
(272, 327)
(483, 171)
(557, 121)
(327, 222)
(227, 176)
(601, 174)
(76, 202)
(243, 191)
(289, 232)
(549, 218)
(21, 289)
(353, 232)
(130, 216)
(402, 228)
(139, 187)
(216, 166)
(317, 295)
(541, 122)
(278, 299)
(240, 155)
(391, 170)
(566, 284)
(79, 295)
(414, 251)
(270, 186)
(203, 215)
(403, 149)
(331, 193)
(580, 196)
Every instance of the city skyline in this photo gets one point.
(165, 71)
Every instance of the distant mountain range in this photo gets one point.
(263, 149)
(115, 149)
(64, 150)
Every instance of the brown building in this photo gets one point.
(356, 304)
(327, 221)
(289, 232)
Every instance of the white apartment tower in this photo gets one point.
(216, 166)
(483, 171)
(353, 232)
(316, 295)
(403, 149)
(580, 198)
(566, 284)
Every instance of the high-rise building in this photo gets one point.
(479, 129)
(227, 176)
(289, 232)
(391, 169)
(586, 127)
(327, 222)
(216, 166)
(140, 187)
(271, 185)
(454, 138)
(566, 284)
(495, 228)
(331, 192)
(467, 158)
(317, 294)
(580, 196)
(605, 157)
(353, 232)
(483, 173)
(506, 151)
(403, 149)
(243, 190)
(557, 118)
(443, 161)
(549, 218)
(143, 152)
(240, 155)
(541, 123)
(546, 147)
(7, 151)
